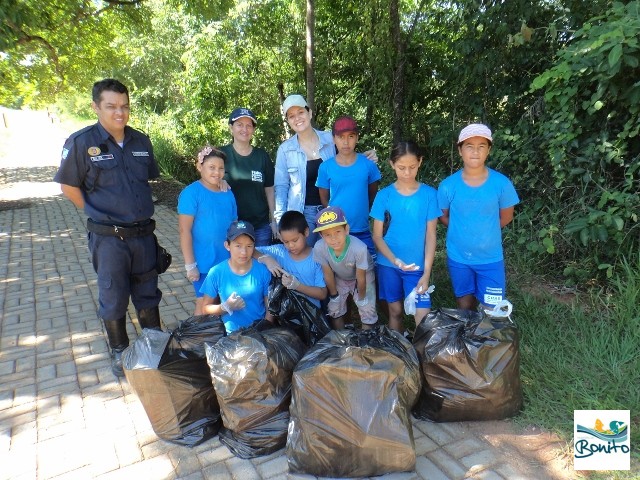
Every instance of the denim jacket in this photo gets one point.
(290, 180)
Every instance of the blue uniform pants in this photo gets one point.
(125, 268)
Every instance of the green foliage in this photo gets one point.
(584, 137)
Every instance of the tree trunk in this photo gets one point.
(398, 81)
(310, 54)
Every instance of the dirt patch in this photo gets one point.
(539, 452)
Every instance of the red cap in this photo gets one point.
(344, 124)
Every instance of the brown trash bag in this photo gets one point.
(351, 405)
(251, 372)
(470, 364)
(169, 373)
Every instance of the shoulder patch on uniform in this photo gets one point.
(81, 131)
(65, 153)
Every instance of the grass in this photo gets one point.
(581, 356)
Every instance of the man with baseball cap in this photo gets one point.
(242, 282)
(476, 203)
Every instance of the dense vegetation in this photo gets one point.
(557, 80)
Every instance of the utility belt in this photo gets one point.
(139, 229)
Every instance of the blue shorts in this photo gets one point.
(367, 239)
(198, 284)
(395, 285)
(486, 282)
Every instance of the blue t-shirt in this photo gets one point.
(307, 270)
(474, 236)
(409, 217)
(349, 188)
(253, 286)
(212, 214)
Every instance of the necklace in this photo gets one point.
(312, 149)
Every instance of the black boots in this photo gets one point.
(118, 338)
(118, 341)
(149, 318)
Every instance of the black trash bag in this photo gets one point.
(351, 405)
(470, 364)
(295, 311)
(251, 372)
(168, 372)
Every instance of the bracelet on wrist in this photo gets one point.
(334, 296)
(190, 266)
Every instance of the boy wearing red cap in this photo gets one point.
(476, 203)
(349, 180)
(347, 267)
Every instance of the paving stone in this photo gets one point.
(487, 475)
(218, 454)
(273, 467)
(218, 471)
(447, 463)
(424, 444)
(465, 447)
(242, 469)
(7, 368)
(54, 456)
(428, 470)
(184, 462)
(24, 436)
(436, 433)
(157, 467)
(484, 458)
(20, 464)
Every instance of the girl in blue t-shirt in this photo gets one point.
(204, 215)
(405, 215)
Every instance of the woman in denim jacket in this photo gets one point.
(297, 163)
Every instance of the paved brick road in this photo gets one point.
(62, 413)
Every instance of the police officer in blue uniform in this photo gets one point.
(105, 169)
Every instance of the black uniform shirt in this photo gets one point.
(114, 180)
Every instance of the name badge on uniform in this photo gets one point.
(140, 154)
(100, 158)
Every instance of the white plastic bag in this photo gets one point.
(502, 309)
(412, 299)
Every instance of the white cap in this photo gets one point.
(475, 130)
(293, 101)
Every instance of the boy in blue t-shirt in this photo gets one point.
(243, 283)
(293, 260)
(350, 181)
(476, 203)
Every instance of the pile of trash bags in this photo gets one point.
(471, 366)
(352, 398)
(251, 372)
(168, 371)
(340, 401)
